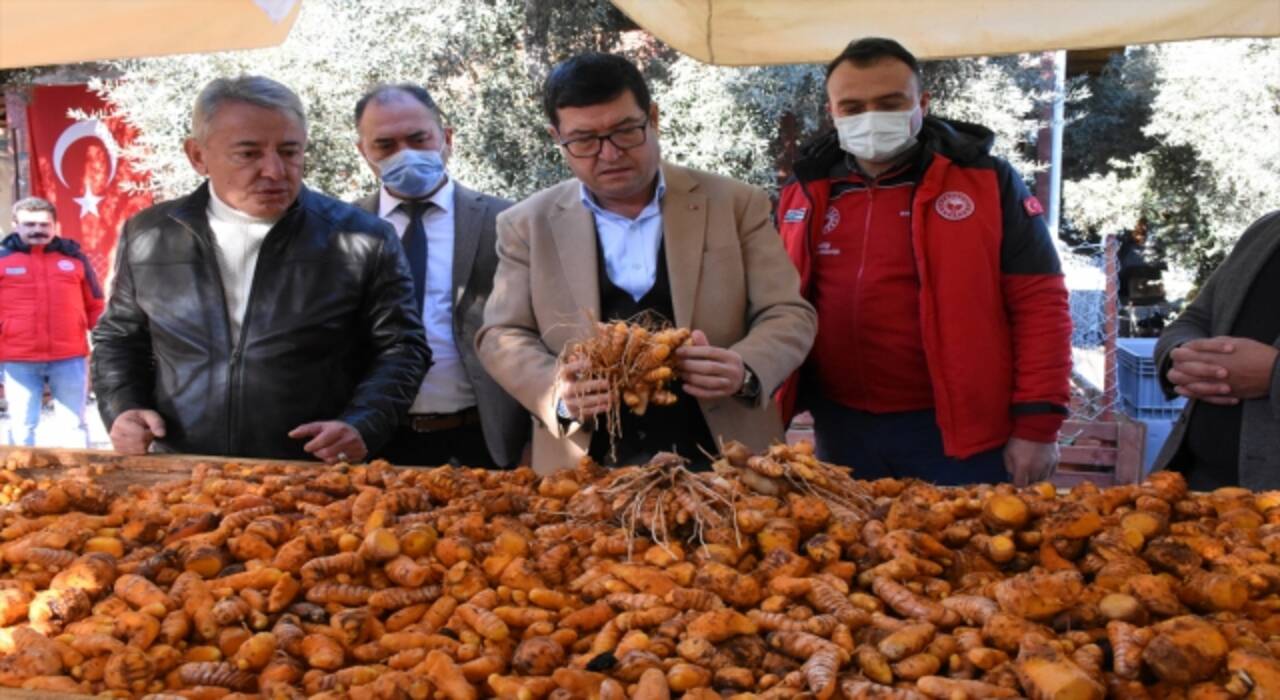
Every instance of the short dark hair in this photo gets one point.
(873, 49)
(35, 204)
(590, 79)
(386, 93)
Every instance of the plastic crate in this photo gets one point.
(1139, 383)
(1157, 433)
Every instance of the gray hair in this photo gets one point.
(251, 89)
(34, 204)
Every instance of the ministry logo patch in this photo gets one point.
(954, 206)
(833, 220)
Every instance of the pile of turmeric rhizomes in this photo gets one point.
(783, 579)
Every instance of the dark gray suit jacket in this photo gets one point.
(1213, 313)
(505, 423)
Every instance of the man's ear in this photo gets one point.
(368, 161)
(195, 154)
(924, 104)
(447, 150)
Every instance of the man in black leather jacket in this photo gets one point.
(254, 317)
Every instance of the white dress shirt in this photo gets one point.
(238, 240)
(445, 389)
(630, 246)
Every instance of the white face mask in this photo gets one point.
(879, 136)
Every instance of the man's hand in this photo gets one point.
(1028, 462)
(1249, 366)
(134, 430)
(584, 398)
(1198, 372)
(709, 372)
(1223, 370)
(331, 441)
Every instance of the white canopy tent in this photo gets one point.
(725, 32)
(762, 32)
(46, 32)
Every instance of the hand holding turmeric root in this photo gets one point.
(583, 397)
(630, 361)
(709, 372)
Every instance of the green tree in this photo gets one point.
(1107, 115)
(1003, 94)
(1187, 134)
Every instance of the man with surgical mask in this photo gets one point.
(460, 415)
(943, 349)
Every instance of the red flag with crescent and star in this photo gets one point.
(77, 163)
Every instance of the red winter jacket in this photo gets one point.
(49, 299)
(995, 320)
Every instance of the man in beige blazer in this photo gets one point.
(633, 233)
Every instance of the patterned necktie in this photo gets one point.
(415, 246)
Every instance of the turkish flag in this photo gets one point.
(78, 165)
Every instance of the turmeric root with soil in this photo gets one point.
(774, 575)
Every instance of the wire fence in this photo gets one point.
(1091, 283)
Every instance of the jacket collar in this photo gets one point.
(468, 221)
(684, 230)
(468, 226)
(192, 211)
(59, 244)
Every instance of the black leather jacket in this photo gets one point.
(331, 331)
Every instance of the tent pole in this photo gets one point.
(1055, 130)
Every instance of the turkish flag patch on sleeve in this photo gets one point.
(1032, 205)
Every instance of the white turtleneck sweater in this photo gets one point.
(238, 238)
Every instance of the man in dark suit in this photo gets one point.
(1223, 353)
(460, 415)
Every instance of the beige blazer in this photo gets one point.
(730, 278)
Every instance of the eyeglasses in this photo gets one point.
(623, 139)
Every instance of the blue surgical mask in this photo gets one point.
(411, 173)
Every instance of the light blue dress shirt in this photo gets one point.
(630, 246)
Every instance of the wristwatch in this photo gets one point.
(750, 385)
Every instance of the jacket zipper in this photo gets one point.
(859, 365)
(808, 244)
(42, 298)
(941, 395)
(211, 256)
(237, 354)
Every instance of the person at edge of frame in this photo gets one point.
(944, 333)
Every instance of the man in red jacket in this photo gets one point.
(943, 348)
(49, 299)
